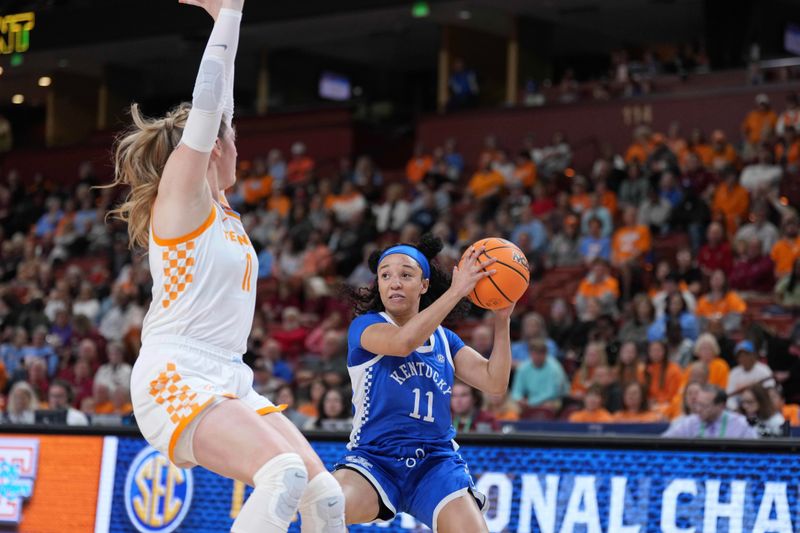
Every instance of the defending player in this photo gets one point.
(402, 363)
(192, 394)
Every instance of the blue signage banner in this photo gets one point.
(555, 490)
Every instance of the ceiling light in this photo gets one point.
(464, 14)
(17, 99)
(45, 81)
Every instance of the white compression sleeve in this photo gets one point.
(213, 79)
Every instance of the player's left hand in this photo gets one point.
(505, 312)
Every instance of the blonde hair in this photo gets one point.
(140, 155)
(706, 338)
(12, 407)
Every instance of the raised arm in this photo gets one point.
(388, 339)
(489, 375)
(184, 187)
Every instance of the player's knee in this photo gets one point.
(323, 505)
(286, 477)
(279, 485)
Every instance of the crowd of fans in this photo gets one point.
(642, 339)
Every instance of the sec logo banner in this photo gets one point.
(158, 494)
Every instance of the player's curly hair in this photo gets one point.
(368, 299)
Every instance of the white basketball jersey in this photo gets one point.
(204, 283)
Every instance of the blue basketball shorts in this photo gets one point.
(419, 481)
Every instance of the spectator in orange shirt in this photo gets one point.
(631, 241)
(594, 356)
(707, 351)
(699, 147)
(489, 151)
(721, 303)
(787, 249)
(418, 165)
(607, 197)
(502, 407)
(593, 411)
(580, 200)
(722, 152)
(681, 404)
(525, 170)
(486, 182)
(629, 365)
(635, 407)
(758, 124)
(257, 186)
(599, 285)
(629, 248)
(663, 377)
(640, 148)
(731, 201)
(300, 166)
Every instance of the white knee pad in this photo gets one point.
(322, 506)
(279, 485)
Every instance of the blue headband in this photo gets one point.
(411, 252)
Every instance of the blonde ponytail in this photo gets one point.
(140, 155)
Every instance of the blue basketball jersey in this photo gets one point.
(401, 401)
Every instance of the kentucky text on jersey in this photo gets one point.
(417, 368)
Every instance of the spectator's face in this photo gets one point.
(595, 228)
(538, 357)
(791, 227)
(482, 339)
(655, 352)
(603, 376)
(333, 405)
(285, 396)
(592, 356)
(37, 371)
(628, 353)
(57, 397)
(714, 234)
(630, 216)
(717, 280)
(746, 359)
(400, 284)
(707, 410)
(316, 391)
(705, 352)
(749, 404)
(593, 401)
(675, 304)
(21, 399)
(632, 397)
(643, 310)
(692, 394)
(532, 327)
(461, 401)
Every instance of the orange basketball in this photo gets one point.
(511, 280)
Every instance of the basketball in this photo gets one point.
(511, 280)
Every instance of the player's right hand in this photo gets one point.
(212, 7)
(472, 270)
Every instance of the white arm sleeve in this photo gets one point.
(214, 81)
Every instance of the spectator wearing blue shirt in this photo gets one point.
(39, 348)
(599, 211)
(537, 235)
(670, 189)
(533, 328)
(13, 353)
(463, 86)
(48, 222)
(594, 244)
(677, 311)
(541, 381)
(453, 159)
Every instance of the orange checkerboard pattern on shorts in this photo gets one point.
(168, 390)
(178, 265)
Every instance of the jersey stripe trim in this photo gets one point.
(440, 329)
(271, 409)
(189, 236)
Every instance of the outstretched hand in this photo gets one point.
(505, 312)
(472, 270)
(212, 7)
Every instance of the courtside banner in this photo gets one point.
(49, 483)
(549, 490)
